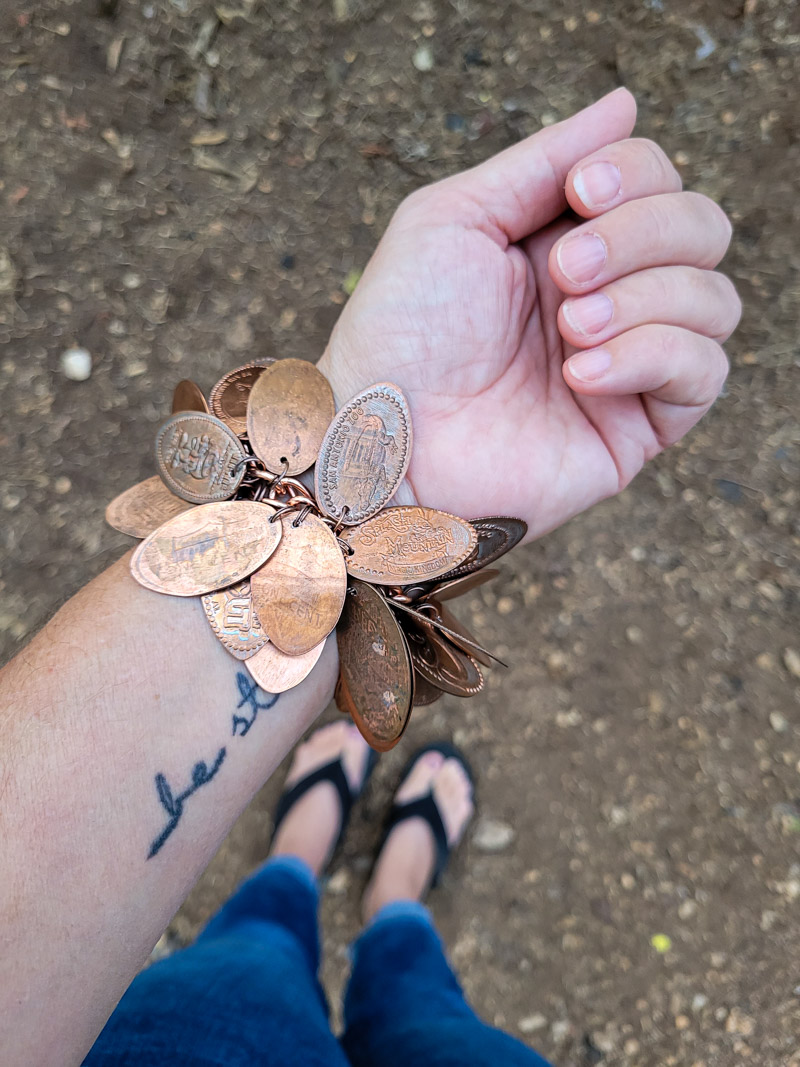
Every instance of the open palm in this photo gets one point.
(461, 306)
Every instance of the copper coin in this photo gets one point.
(276, 672)
(298, 594)
(144, 507)
(199, 458)
(496, 536)
(206, 548)
(188, 396)
(234, 620)
(408, 544)
(341, 696)
(375, 666)
(288, 412)
(365, 455)
(228, 399)
(441, 663)
(425, 694)
(459, 586)
(464, 639)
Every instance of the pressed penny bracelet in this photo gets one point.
(280, 561)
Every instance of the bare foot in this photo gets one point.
(405, 865)
(311, 827)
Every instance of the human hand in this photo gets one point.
(523, 404)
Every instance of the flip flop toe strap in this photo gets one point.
(427, 809)
(332, 772)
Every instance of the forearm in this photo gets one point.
(106, 817)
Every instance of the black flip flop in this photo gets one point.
(425, 807)
(334, 773)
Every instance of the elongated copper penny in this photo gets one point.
(375, 665)
(228, 399)
(206, 548)
(341, 696)
(407, 544)
(298, 594)
(288, 411)
(441, 663)
(469, 645)
(276, 672)
(144, 507)
(365, 455)
(454, 587)
(234, 620)
(188, 396)
(424, 693)
(496, 536)
(198, 458)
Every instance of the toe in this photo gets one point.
(418, 781)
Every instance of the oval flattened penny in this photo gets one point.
(449, 590)
(365, 455)
(289, 409)
(206, 548)
(496, 536)
(198, 458)
(144, 507)
(276, 672)
(188, 396)
(299, 593)
(441, 663)
(234, 620)
(452, 623)
(408, 544)
(228, 399)
(375, 665)
(425, 694)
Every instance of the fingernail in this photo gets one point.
(597, 184)
(588, 314)
(589, 366)
(582, 258)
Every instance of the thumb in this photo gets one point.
(522, 189)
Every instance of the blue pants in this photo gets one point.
(246, 994)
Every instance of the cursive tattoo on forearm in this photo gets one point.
(201, 775)
(248, 691)
(249, 697)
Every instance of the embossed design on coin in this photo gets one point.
(441, 664)
(299, 594)
(234, 620)
(228, 399)
(496, 536)
(276, 672)
(288, 412)
(408, 544)
(197, 456)
(206, 548)
(376, 666)
(365, 455)
(188, 396)
(144, 507)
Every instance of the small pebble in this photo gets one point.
(423, 59)
(76, 364)
(62, 485)
(791, 661)
(778, 722)
(531, 1023)
(491, 835)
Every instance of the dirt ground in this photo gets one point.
(183, 188)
